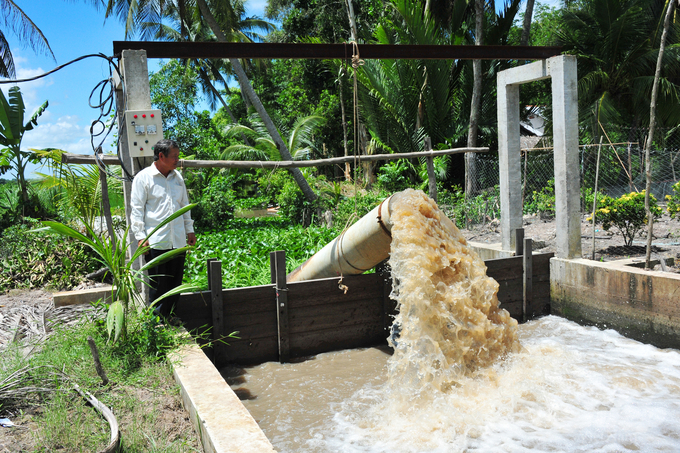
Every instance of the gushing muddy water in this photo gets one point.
(464, 376)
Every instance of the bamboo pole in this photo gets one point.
(70, 158)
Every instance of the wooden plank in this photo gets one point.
(253, 325)
(251, 299)
(504, 268)
(279, 258)
(252, 351)
(360, 335)
(519, 242)
(326, 291)
(217, 309)
(528, 276)
(319, 317)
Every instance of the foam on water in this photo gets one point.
(570, 389)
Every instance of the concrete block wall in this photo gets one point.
(640, 304)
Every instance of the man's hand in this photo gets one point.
(191, 239)
(143, 243)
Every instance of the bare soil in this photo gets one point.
(25, 317)
(609, 245)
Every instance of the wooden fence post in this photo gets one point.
(528, 275)
(217, 307)
(519, 242)
(278, 266)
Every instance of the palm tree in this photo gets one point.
(403, 101)
(300, 141)
(28, 32)
(219, 17)
(617, 44)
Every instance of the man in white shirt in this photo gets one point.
(157, 192)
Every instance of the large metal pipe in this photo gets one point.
(359, 248)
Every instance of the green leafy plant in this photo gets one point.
(478, 209)
(673, 201)
(77, 188)
(393, 176)
(627, 213)
(543, 201)
(243, 246)
(113, 255)
(32, 261)
(12, 130)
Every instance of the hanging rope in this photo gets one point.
(356, 62)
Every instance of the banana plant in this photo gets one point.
(12, 129)
(113, 255)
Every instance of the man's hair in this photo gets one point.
(163, 146)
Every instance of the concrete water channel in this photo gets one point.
(639, 303)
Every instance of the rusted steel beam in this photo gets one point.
(70, 158)
(345, 51)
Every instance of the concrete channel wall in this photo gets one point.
(640, 304)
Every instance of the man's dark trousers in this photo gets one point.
(163, 278)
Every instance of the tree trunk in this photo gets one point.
(476, 102)
(650, 137)
(226, 106)
(247, 88)
(526, 29)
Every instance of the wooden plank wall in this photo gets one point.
(322, 316)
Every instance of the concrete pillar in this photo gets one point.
(135, 96)
(509, 161)
(565, 143)
(562, 70)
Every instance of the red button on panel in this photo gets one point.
(135, 116)
(144, 116)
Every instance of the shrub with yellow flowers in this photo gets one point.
(673, 201)
(626, 213)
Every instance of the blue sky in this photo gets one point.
(73, 29)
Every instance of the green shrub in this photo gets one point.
(30, 260)
(351, 209)
(478, 209)
(393, 176)
(626, 213)
(673, 201)
(543, 202)
(217, 203)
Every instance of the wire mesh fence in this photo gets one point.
(612, 175)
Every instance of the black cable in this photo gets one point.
(106, 106)
(100, 55)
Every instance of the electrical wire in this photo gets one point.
(106, 106)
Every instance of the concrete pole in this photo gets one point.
(509, 159)
(136, 96)
(565, 136)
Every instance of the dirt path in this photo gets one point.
(609, 245)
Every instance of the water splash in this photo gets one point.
(451, 324)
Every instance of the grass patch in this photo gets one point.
(142, 392)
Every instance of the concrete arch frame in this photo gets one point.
(562, 70)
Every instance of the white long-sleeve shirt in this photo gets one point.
(153, 199)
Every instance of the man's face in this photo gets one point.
(170, 161)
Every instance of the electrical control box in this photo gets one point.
(144, 129)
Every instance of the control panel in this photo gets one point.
(144, 129)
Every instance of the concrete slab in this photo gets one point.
(638, 303)
(222, 422)
(83, 296)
